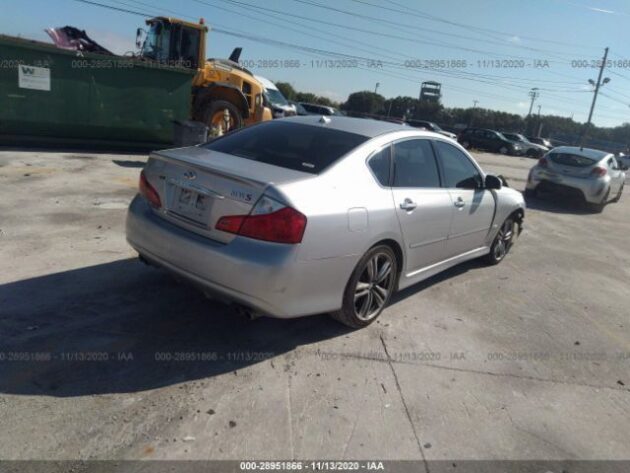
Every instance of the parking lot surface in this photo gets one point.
(102, 357)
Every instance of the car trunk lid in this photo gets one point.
(198, 186)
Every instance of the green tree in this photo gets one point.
(287, 90)
(364, 102)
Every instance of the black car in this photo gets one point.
(489, 140)
(431, 126)
(316, 109)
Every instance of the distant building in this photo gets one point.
(431, 91)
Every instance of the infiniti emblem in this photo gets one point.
(190, 175)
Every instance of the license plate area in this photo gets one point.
(190, 204)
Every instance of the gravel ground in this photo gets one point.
(102, 357)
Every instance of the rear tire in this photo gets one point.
(369, 289)
(503, 150)
(502, 242)
(599, 208)
(212, 114)
(618, 197)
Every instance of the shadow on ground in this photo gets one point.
(124, 327)
(129, 164)
(558, 204)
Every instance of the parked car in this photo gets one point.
(298, 108)
(274, 100)
(540, 141)
(591, 175)
(316, 109)
(306, 215)
(533, 150)
(489, 140)
(431, 127)
(624, 161)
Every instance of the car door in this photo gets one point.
(474, 205)
(480, 139)
(424, 208)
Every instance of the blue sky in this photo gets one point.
(383, 39)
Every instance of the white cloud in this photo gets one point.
(514, 39)
(601, 10)
(522, 104)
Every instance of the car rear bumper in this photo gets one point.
(591, 190)
(263, 276)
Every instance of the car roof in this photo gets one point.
(266, 83)
(360, 126)
(586, 152)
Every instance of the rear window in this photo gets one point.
(567, 159)
(289, 145)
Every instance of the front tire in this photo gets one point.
(502, 242)
(369, 289)
(213, 115)
(503, 150)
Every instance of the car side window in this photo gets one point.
(415, 164)
(380, 164)
(459, 171)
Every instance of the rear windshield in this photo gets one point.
(289, 145)
(571, 160)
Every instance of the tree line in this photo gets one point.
(368, 103)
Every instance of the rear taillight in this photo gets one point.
(269, 220)
(598, 172)
(148, 191)
(542, 162)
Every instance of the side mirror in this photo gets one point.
(493, 182)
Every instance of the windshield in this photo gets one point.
(276, 97)
(157, 43)
(571, 160)
(514, 137)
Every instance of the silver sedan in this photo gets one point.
(593, 176)
(314, 214)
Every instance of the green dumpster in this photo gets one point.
(48, 94)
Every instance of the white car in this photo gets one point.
(624, 161)
(274, 99)
(590, 175)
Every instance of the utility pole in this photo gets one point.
(472, 115)
(533, 93)
(595, 92)
(376, 86)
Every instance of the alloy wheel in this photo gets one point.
(504, 240)
(373, 286)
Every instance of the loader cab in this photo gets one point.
(174, 42)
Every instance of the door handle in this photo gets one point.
(459, 203)
(408, 205)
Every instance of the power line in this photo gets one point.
(425, 16)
